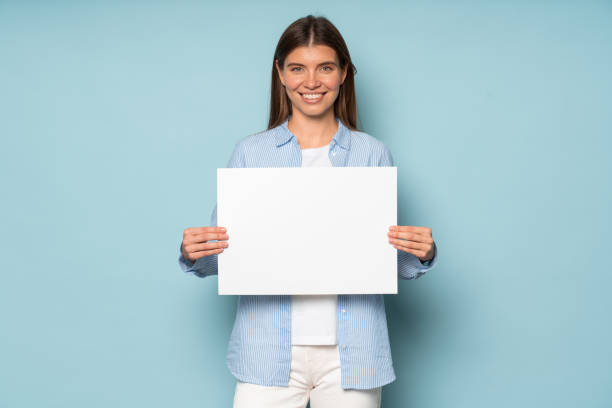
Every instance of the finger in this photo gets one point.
(411, 228)
(209, 236)
(201, 254)
(411, 236)
(202, 230)
(205, 247)
(409, 244)
(415, 252)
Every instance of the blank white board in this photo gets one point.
(306, 231)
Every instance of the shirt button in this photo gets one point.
(343, 310)
(333, 153)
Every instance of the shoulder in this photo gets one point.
(378, 151)
(258, 140)
(362, 139)
(253, 145)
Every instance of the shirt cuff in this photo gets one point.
(202, 267)
(431, 262)
(186, 264)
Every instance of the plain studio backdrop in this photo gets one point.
(114, 117)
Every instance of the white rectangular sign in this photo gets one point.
(306, 231)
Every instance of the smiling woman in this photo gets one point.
(312, 71)
(330, 349)
(312, 76)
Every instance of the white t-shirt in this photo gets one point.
(314, 318)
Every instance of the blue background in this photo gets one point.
(115, 115)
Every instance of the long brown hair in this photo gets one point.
(307, 31)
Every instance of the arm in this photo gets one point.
(208, 265)
(204, 266)
(409, 266)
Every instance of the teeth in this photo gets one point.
(312, 96)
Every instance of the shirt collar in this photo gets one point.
(341, 138)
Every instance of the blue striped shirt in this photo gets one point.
(259, 349)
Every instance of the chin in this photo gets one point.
(315, 113)
(312, 110)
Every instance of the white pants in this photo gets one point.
(314, 375)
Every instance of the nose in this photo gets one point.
(312, 82)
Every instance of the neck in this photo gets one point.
(313, 131)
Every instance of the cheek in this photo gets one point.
(331, 83)
(293, 83)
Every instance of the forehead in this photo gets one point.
(312, 54)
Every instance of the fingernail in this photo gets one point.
(223, 229)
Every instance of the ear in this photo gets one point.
(344, 72)
(280, 72)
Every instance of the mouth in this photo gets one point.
(312, 97)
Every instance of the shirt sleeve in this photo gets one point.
(409, 266)
(204, 266)
(208, 265)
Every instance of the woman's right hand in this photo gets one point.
(195, 243)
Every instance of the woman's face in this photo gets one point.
(312, 78)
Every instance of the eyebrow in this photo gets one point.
(323, 63)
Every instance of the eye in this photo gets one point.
(327, 68)
(295, 68)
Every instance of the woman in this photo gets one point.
(334, 349)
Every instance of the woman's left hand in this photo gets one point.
(415, 240)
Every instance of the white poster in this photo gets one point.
(313, 230)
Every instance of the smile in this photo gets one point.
(312, 97)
